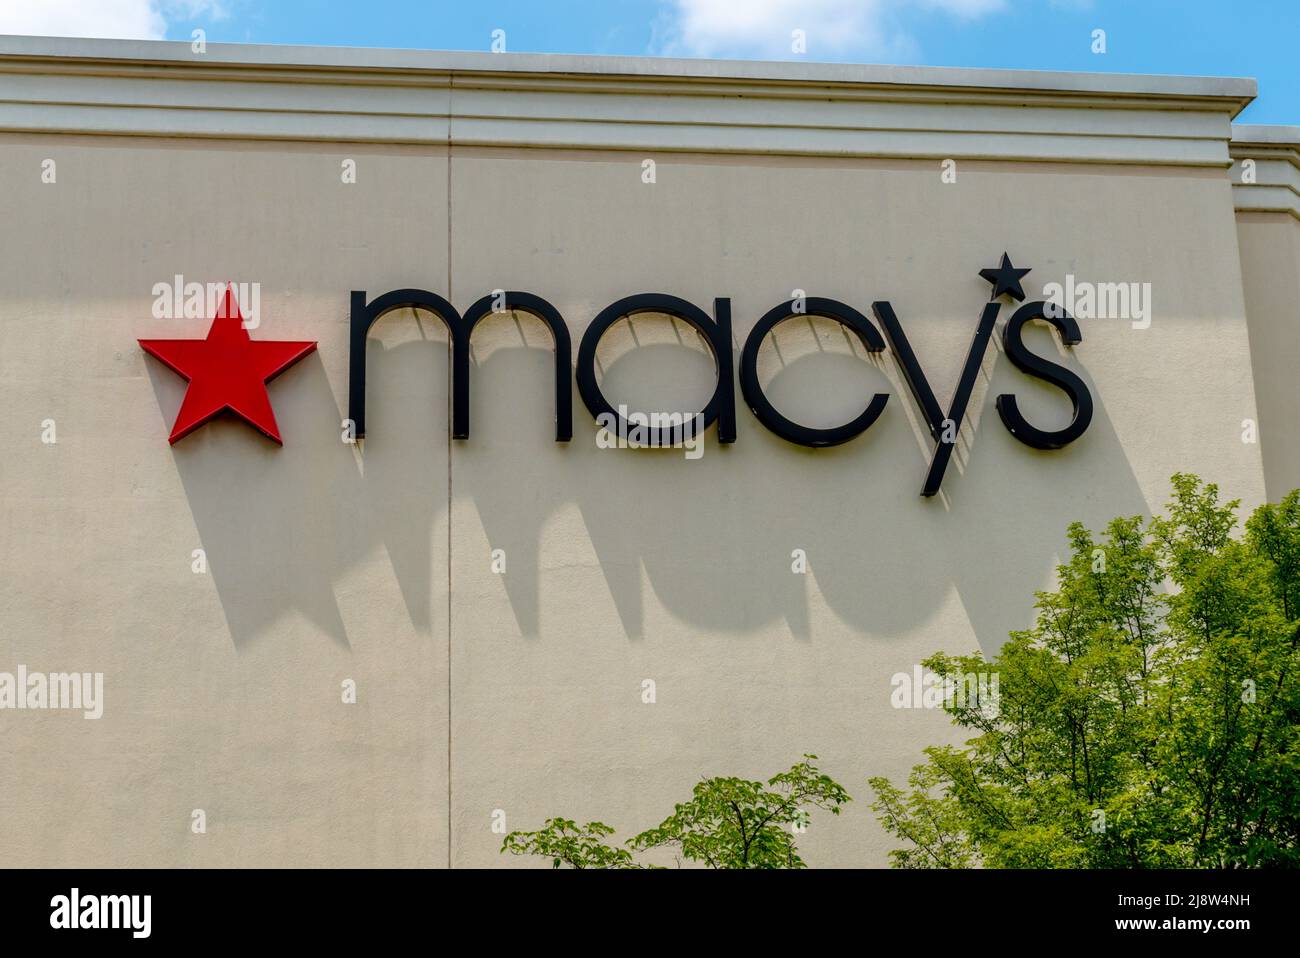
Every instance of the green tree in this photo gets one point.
(1150, 718)
(566, 842)
(728, 823)
(736, 823)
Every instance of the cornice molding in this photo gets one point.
(1274, 184)
(144, 88)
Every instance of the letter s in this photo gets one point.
(1039, 368)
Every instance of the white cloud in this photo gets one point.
(122, 19)
(764, 27)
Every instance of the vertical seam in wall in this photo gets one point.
(450, 372)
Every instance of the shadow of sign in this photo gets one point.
(282, 527)
(712, 537)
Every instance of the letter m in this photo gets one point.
(459, 328)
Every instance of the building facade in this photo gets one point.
(380, 649)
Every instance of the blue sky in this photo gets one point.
(1258, 38)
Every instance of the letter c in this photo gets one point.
(758, 402)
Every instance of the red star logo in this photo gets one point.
(228, 370)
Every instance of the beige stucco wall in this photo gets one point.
(1270, 266)
(222, 690)
(1265, 178)
(522, 692)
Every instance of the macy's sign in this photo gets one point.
(228, 370)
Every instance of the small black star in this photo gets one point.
(1006, 279)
